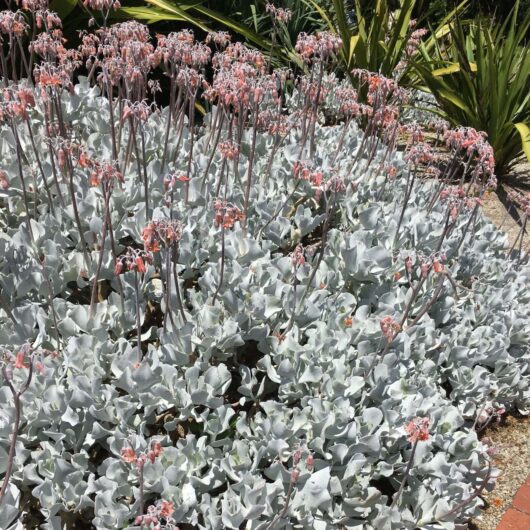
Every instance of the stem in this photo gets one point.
(408, 192)
(142, 492)
(282, 514)
(93, 296)
(412, 299)
(21, 174)
(16, 425)
(177, 287)
(146, 181)
(168, 126)
(112, 126)
(250, 164)
(138, 322)
(407, 471)
(429, 304)
(167, 294)
(37, 157)
(221, 274)
(192, 139)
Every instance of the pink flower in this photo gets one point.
(40, 367)
(140, 265)
(226, 214)
(157, 448)
(141, 460)
(229, 150)
(297, 256)
(425, 267)
(166, 509)
(389, 327)
(418, 429)
(128, 455)
(4, 181)
(437, 266)
(278, 13)
(19, 360)
(118, 267)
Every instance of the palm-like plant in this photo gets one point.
(481, 78)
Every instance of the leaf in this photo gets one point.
(234, 25)
(453, 98)
(451, 69)
(176, 10)
(149, 14)
(315, 492)
(321, 12)
(353, 43)
(63, 7)
(524, 131)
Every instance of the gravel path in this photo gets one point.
(512, 439)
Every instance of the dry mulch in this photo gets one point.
(512, 436)
(512, 439)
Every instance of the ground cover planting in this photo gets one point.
(255, 298)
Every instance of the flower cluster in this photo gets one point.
(18, 360)
(309, 462)
(306, 171)
(12, 23)
(347, 103)
(106, 173)
(418, 429)
(226, 214)
(413, 43)
(180, 49)
(133, 260)
(477, 148)
(389, 327)
(315, 90)
(297, 256)
(420, 153)
(240, 82)
(322, 45)
(380, 89)
(229, 150)
(279, 14)
(32, 5)
(457, 200)
(25, 358)
(159, 515)
(17, 99)
(276, 123)
(130, 456)
(166, 231)
(4, 180)
(102, 5)
(54, 77)
(220, 38)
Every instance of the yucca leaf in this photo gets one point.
(524, 131)
(451, 69)
(176, 10)
(321, 12)
(63, 7)
(149, 14)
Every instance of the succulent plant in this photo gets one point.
(243, 335)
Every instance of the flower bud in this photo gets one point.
(309, 462)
